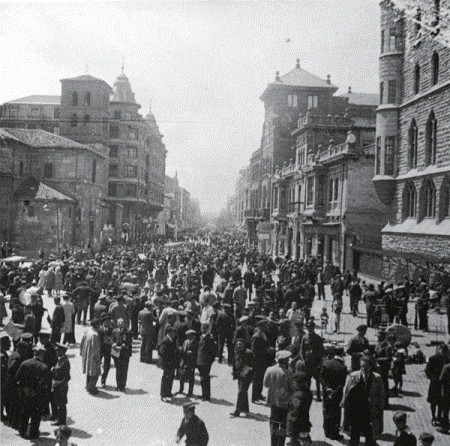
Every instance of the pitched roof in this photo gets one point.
(361, 98)
(122, 90)
(302, 78)
(33, 189)
(37, 99)
(41, 138)
(364, 122)
(86, 78)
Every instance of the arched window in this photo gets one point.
(74, 99)
(336, 189)
(430, 140)
(86, 119)
(73, 120)
(87, 99)
(417, 23)
(410, 201)
(417, 79)
(429, 200)
(435, 68)
(444, 202)
(413, 142)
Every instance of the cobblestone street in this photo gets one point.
(138, 417)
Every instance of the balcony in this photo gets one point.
(257, 214)
(321, 120)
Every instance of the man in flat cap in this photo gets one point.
(33, 381)
(225, 325)
(60, 384)
(90, 353)
(260, 347)
(146, 319)
(188, 361)
(356, 345)
(192, 427)
(278, 380)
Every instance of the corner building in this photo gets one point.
(412, 168)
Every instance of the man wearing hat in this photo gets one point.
(356, 345)
(312, 353)
(168, 353)
(188, 361)
(192, 427)
(426, 439)
(384, 352)
(34, 382)
(332, 376)
(243, 331)
(60, 384)
(207, 351)
(90, 353)
(261, 350)
(278, 380)
(5, 346)
(225, 325)
(363, 402)
(445, 392)
(147, 322)
(50, 360)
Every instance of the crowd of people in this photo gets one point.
(186, 304)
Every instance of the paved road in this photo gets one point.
(140, 418)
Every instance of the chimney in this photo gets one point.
(297, 65)
(277, 76)
(349, 89)
(329, 79)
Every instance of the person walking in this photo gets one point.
(91, 356)
(121, 350)
(225, 325)
(57, 321)
(60, 384)
(188, 362)
(147, 321)
(68, 328)
(192, 427)
(278, 380)
(243, 373)
(168, 353)
(261, 350)
(207, 351)
(356, 345)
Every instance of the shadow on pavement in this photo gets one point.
(221, 402)
(105, 396)
(257, 417)
(387, 437)
(396, 407)
(80, 433)
(411, 394)
(320, 443)
(44, 442)
(135, 391)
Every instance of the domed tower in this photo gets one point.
(391, 96)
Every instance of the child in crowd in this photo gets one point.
(337, 310)
(404, 437)
(398, 367)
(324, 320)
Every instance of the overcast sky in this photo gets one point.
(201, 65)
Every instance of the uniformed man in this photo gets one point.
(192, 427)
(60, 384)
(33, 380)
(384, 352)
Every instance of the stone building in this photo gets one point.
(32, 112)
(72, 170)
(412, 171)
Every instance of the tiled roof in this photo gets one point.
(302, 78)
(84, 77)
(33, 189)
(37, 99)
(41, 138)
(361, 98)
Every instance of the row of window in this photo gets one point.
(131, 151)
(130, 172)
(313, 101)
(430, 142)
(86, 102)
(49, 171)
(114, 133)
(392, 43)
(389, 151)
(74, 120)
(130, 191)
(423, 204)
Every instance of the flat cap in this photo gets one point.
(26, 336)
(243, 319)
(283, 354)
(361, 327)
(189, 332)
(39, 348)
(189, 406)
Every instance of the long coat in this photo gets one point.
(61, 378)
(90, 353)
(376, 400)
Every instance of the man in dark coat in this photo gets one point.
(146, 320)
(193, 427)
(384, 352)
(60, 385)
(445, 392)
(57, 321)
(261, 353)
(188, 362)
(356, 345)
(82, 294)
(34, 382)
(333, 376)
(5, 346)
(225, 325)
(312, 353)
(207, 351)
(50, 360)
(169, 359)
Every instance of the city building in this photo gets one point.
(412, 169)
(32, 112)
(69, 178)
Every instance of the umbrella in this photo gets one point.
(14, 259)
(173, 244)
(25, 296)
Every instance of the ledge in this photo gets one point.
(428, 226)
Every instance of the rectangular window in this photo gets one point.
(56, 113)
(310, 191)
(131, 190)
(378, 157)
(132, 152)
(389, 155)
(392, 91)
(13, 111)
(131, 171)
(381, 92)
(382, 42)
(113, 170)
(114, 131)
(112, 189)
(313, 101)
(35, 111)
(94, 170)
(48, 170)
(393, 39)
(117, 114)
(133, 134)
(113, 151)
